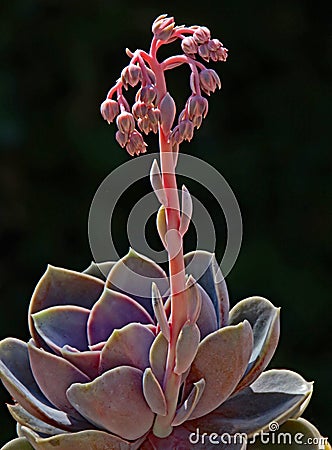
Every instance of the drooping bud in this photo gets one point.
(197, 107)
(202, 35)
(121, 138)
(167, 112)
(147, 94)
(189, 45)
(186, 130)
(187, 210)
(136, 144)
(144, 125)
(125, 122)
(186, 347)
(213, 45)
(139, 110)
(159, 311)
(131, 75)
(209, 80)
(222, 53)
(163, 27)
(175, 137)
(151, 76)
(109, 109)
(204, 52)
(157, 184)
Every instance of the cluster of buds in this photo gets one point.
(201, 43)
(153, 107)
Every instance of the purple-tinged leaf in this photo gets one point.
(62, 325)
(264, 320)
(158, 357)
(153, 393)
(129, 346)
(100, 270)
(87, 362)
(186, 347)
(23, 417)
(17, 377)
(188, 406)
(134, 274)
(207, 320)
(159, 312)
(221, 359)
(63, 287)
(84, 440)
(113, 311)
(115, 402)
(204, 268)
(274, 396)
(54, 375)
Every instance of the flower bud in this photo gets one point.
(109, 109)
(131, 75)
(121, 138)
(139, 110)
(197, 106)
(209, 80)
(144, 125)
(148, 94)
(222, 53)
(136, 144)
(204, 52)
(213, 45)
(186, 130)
(202, 35)
(163, 27)
(175, 137)
(189, 45)
(154, 116)
(125, 122)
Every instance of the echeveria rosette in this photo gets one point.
(93, 370)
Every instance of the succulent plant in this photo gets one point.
(125, 356)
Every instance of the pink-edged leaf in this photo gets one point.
(113, 310)
(83, 440)
(158, 357)
(153, 393)
(23, 417)
(129, 346)
(221, 359)
(17, 377)
(62, 325)
(54, 375)
(204, 268)
(275, 396)
(265, 323)
(115, 402)
(63, 287)
(87, 362)
(134, 275)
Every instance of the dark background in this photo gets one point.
(267, 132)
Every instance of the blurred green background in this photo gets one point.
(267, 132)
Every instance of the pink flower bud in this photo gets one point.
(109, 109)
(148, 94)
(154, 115)
(139, 110)
(213, 45)
(125, 122)
(209, 80)
(163, 27)
(136, 144)
(151, 76)
(175, 137)
(121, 138)
(202, 35)
(131, 75)
(186, 130)
(197, 121)
(197, 106)
(222, 53)
(189, 45)
(204, 52)
(144, 125)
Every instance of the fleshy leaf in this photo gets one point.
(221, 359)
(17, 377)
(87, 362)
(264, 320)
(153, 393)
(186, 347)
(54, 375)
(207, 320)
(113, 311)
(18, 444)
(204, 268)
(62, 325)
(83, 440)
(100, 270)
(128, 346)
(185, 411)
(127, 413)
(134, 274)
(23, 417)
(274, 396)
(63, 287)
(158, 356)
